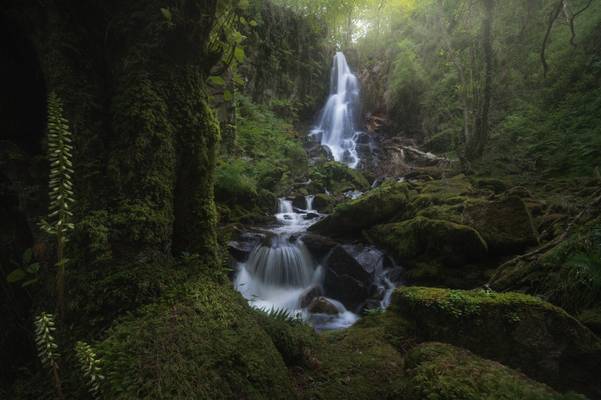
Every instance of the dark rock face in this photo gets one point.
(505, 224)
(345, 279)
(318, 245)
(518, 330)
(323, 202)
(244, 244)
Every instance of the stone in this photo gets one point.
(321, 305)
(319, 246)
(505, 224)
(345, 279)
(309, 295)
(521, 331)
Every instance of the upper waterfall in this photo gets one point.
(337, 122)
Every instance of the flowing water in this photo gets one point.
(278, 272)
(337, 126)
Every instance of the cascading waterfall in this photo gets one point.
(337, 121)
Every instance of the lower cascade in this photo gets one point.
(281, 273)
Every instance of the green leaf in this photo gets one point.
(29, 282)
(33, 268)
(216, 80)
(253, 23)
(239, 54)
(16, 276)
(227, 95)
(167, 14)
(27, 256)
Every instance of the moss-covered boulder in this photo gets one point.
(567, 275)
(505, 224)
(357, 363)
(444, 372)
(451, 243)
(520, 331)
(204, 343)
(336, 178)
(376, 206)
(323, 202)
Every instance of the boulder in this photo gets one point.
(318, 245)
(371, 259)
(450, 243)
(345, 279)
(505, 224)
(374, 207)
(323, 202)
(309, 295)
(445, 372)
(520, 331)
(310, 216)
(244, 244)
(321, 305)
(299, 202)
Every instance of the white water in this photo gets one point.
(278, 273)
(337, 122)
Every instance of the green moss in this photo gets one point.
(454, 244)
(591, 318)
(378, 205)
(505, 224)
(202, 342)
(353, 364)
(439, 371)
(337, 178)
(518, 330)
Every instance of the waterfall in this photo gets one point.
(283, 264)
(337, 121)
(309, 202)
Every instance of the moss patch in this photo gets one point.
(438, 371)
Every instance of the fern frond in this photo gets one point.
(90, 367)
(44, 340)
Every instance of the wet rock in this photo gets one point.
(309, 295)
(321, 305)
(520, 331)
(310, 216)
(318, 245)
(244, 244)
(505, 224)
(370, 258)
(345, 278)
(299, 202)
(323, 202)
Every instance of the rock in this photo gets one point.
(591, 318)
(345, 279)
(375, 206)
(318, 245)
(451, 243)
(299, 202)
(495, 185)
(323, 202)
(241, 248)
(370, 258)
(310, 216)
(321, 305)
(454, 373)
(518, 330)
(336, 177)
(309, 295)
(505, 224)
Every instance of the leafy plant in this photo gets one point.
(27, 271)
(59, 219)
(281, 314)
(90, 367)
(45, 328)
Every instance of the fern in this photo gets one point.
(281, 314)
(90, 367)
(45, 328)
(59, 220)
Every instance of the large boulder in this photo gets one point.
(444, 372)
(319, 246)
(505, 224)
(376, 206)
(450, 243)
(345, 279)
(518, 330)
(202, 342)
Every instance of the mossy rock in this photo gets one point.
(440, 371)
(203, 342)
(567, 275)
(323, 203)
(357, 363)
(451, 243)
(336, 178)
(591, 318)
(495, 185)
(505, 224)
(520, 331)
(376, 206)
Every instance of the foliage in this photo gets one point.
(45, 329)
(27, 272)
(90, 367)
